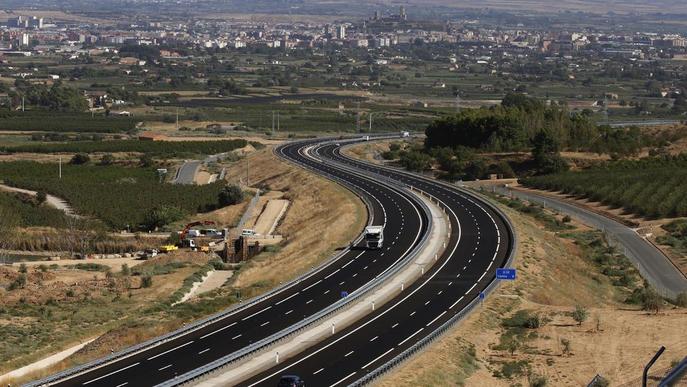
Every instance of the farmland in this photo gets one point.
(157, 148)
(118, 196)
(64, 122)
(653, 188)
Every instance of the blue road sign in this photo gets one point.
(505, 274)
(344, 294)
(481, 295)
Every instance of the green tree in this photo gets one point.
(125, 270)
(162, 216)
(230, 195)
(546, 154)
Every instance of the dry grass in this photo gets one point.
(322, 216)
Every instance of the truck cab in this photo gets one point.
(374, 237)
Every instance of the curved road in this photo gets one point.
(481, 241)
(404, 220)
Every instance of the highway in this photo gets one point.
(480, 243)
(405, 224)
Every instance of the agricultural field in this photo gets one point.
(49, 121)
(653, 188)
(153, 148)
(120, 197)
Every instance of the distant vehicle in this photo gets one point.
(193, 233)
(338, 144)
(291, 381)
(248, 232)
(168, 248)
(149, 253)
(366, 138)
(374, 237)
(405, 134)
(190, 243)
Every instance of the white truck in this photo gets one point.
(405, 134)
(374, 237)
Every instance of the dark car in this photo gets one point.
(291, 381)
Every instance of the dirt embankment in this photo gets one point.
(615, 341)
(322, 216)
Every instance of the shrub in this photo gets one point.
(41, 197)
(125, 269)
(580, 314)
(538, 381)
(681, 300)
(146, 281)
(80, 159)
(652, 301)
(107, 159)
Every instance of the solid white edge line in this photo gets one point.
(378, 357)
(255, 314)
(218, 330)
(168, 351)
(112, 373)
(411, 336)
(435, 319)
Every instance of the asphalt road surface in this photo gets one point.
(405, 223)
(187, 172)
(480, 243)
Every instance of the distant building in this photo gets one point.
(36, 22)
(341, 32)
(25, 40)
(402, 13)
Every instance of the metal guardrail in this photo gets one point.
(325, 313)
(403, 356)
(193, 326)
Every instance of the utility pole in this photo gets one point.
(272, 121)
(371, 122)
(357, 126)
(278, 128)
(22, 104)
(60, 170)
(177, 118)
